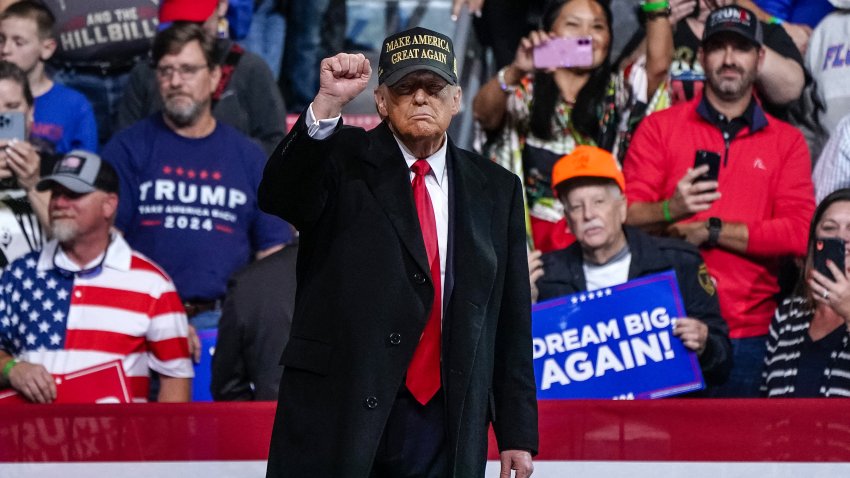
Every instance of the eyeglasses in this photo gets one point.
(184, 71)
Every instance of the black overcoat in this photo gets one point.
(363, 297)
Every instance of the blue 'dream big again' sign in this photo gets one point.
(614, 343)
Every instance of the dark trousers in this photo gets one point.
(747, 365)
(414, 441)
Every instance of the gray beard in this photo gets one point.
(63, 230)
(183, 116)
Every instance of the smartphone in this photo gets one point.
(564, 52)
(13, 125)
(710, 158)
(831, 248)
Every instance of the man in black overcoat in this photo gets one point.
(372, 267)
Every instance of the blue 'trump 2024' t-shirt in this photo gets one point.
(190, 204)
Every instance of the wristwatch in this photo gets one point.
(714, 225)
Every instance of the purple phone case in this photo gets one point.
(564, 53)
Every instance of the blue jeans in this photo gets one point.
(266, 35)
(103, 92)
(747, 365)
(302, 50)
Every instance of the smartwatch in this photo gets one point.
(714, 225)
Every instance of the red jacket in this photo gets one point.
(765, 182)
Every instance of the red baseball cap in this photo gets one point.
(186, 10)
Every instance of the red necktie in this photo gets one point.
(423, 373)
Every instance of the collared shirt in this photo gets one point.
(437, 180)
(730, 127)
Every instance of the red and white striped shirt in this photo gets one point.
(127, 308)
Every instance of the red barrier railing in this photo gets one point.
(660, 430)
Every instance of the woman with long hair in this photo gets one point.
(535, 116)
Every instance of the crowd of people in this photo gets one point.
(145, 135)
(149, 189)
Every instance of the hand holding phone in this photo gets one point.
(831, 248)
(710, 158)
(564, 52)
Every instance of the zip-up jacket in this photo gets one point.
(764, 182)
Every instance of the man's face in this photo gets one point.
(731, 64)
(20, 43)
(186, 84)
(595, 214)
(420, 106)
(73, 215)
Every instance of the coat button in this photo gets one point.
(371, 402)
(419, 278)
(395, 338)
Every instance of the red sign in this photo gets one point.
(105, 383)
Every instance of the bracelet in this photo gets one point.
(7, 369)
(665, 208)
(775, 21)
(648, 7)
(502, 83)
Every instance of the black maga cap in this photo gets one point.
(414, 50)
(734, 19)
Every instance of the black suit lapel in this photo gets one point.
(390, 183)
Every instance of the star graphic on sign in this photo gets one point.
(574, 300)
(30, 263)
(51, 283)
(47, 304)
(55, 339)
(43, 327)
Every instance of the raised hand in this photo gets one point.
(524, 59)
(341, 78)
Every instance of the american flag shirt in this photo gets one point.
(126, 309)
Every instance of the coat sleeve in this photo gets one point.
(230, 377)
(298, 177)
(514, 387)
(264, 105)
(700, 296)
(135, 101)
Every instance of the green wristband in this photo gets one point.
(665, 208)
(775, 21)
(7, 369)
(648, 7)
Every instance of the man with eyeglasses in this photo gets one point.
(87, 298)
(412, 328)
(189, 182)
(606, 253)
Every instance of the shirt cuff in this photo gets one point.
(320, 129)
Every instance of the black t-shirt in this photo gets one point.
(687, 75)
(815, 358)
(107, 34)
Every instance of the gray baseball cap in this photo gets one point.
(82, 172)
